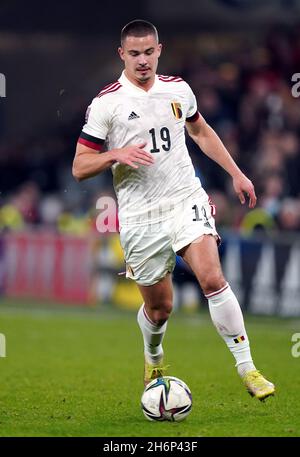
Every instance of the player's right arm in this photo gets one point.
(88, 162)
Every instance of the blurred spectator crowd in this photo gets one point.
(244, 91)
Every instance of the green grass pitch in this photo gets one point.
(73, 373)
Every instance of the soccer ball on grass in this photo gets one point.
(166, 399)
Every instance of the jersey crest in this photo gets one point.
(177, 110)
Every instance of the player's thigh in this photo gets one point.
(203, 258)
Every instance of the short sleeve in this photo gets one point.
(97, 119)
(192, 103)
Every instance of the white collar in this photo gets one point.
(125, 82)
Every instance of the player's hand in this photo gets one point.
(242, 185)
(133, 155)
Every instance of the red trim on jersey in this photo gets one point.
(90, 144)
(171, 78)
(108, 86)
(194, 117)
(168, 79)
(109, 91)
(168, 76)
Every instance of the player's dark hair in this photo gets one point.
(138, 28)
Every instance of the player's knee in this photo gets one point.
(212, 282)
(162, 311)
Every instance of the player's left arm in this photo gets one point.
(209, 142)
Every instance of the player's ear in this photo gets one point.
(159, 49)
(121, 52)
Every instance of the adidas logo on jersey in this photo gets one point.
(133, 115)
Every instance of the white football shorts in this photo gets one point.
(150, 250)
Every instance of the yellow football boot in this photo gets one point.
(154, 371)
(257, 385)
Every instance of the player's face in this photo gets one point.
(140, 56)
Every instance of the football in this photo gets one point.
(166, 399)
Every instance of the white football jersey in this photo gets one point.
(124, 114)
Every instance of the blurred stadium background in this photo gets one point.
(239, 56)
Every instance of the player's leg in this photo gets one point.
(158, 300)
(153, 316)
(203, 258)
(149, 261)
(152, 319)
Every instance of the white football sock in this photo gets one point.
(153, 335)
(227, 316)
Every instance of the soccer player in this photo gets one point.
(163, 209)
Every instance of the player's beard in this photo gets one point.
(145, 77)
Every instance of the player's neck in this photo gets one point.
(146, 85)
